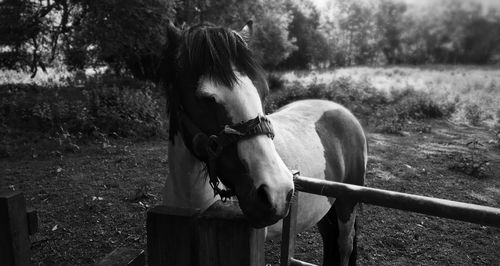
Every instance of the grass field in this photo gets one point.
(475, 90)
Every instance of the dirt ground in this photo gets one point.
(95, 200)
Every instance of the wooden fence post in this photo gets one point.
(219, 236)
(172, 238)
(288, 236)
(14, 236)
(288, 233)
(226, 237)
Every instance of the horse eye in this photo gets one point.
(209, 99)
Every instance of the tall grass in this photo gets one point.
(57, 76)
(474, 90)
(365, 101)
(52, 77)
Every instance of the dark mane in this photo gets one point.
(208, 50)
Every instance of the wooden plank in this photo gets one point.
(408, 202)
(14, 238)
(226, 237)
(32, 217)
(172, 236)
(124, 257)
(289, 232)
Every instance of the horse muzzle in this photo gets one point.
(262, 210)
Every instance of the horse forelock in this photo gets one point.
(214, 52)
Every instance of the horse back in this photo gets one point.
(322, 139)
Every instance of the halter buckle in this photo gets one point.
(214, 148)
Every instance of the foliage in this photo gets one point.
(119, 33)
(271, 40)
(394, 32)
(311, 44)
(474, 164)
(454, 88)
(473, 113)
(390, 113)
(134, 35)
(275, 82)
(388, 21)
(124, 33)
(412, 104)
(31, 32)
(129, 109)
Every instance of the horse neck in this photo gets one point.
(187, 185)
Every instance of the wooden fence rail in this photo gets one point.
(402, 201)
(473, 213)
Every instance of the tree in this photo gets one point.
(15, 30)
(126, 34)
(482, 39)
(389, 19)
(351, 32)
(29, 32)
(312, 45)
(359, 30)
(271, 41)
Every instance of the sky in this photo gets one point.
(322, 3)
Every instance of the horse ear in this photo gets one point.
(247, 31)
(167, 65)
(173, 33)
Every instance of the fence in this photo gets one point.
(426, 205)
(17, 223)
(176, 236)
(221, 235)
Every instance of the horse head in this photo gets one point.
(216, 104)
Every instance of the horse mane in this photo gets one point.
(210, 51)
(213, 51)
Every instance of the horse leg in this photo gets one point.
(346, 217)
(329, 230)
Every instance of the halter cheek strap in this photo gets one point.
(209, 148)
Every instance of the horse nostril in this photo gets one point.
(264, 196)
(289, 196)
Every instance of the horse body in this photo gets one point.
(322, 140)
(217, 123)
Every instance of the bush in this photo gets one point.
(389, 112)
(125, 111)
(412, 104)
(359, 97)
(474, 114)
(275, 82)
(129, 109)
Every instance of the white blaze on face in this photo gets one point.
(258, 152)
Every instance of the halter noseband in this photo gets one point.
(209, 148)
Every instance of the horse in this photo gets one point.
(221, 141)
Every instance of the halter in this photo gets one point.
(209, 148)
